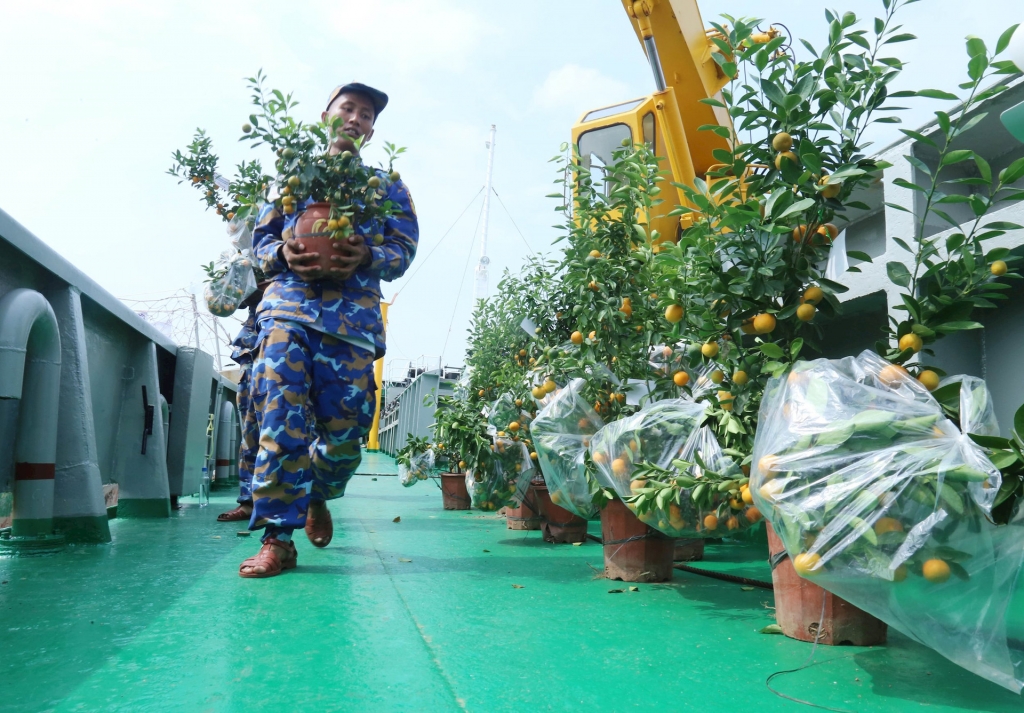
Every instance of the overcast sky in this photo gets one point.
(96, 94)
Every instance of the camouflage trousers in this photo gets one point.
(250, 443)
(314, 397)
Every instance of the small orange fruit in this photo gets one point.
(799, 232)
(807, 563)
(740, 378)
(747, 496)
(674, 313)
(813, 294)
(725, 400)
(764, 323)
(680, 378)
(753, 515)
(785, 155)
(998, 268)
(782, 141)
(595, 253)
(911, 341)
(711, 522)
(929, 379)
(892, 375)
(576, 338)
(887, 524)
(619, 466)
(936, 570)
(710, 350)
(805, 312)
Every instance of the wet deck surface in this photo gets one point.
(419, 615)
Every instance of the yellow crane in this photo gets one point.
(679, 51)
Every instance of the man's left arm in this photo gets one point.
(390, 260)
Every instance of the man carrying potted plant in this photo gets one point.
(319, 334)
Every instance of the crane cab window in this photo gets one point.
(596, 149)
(647, 125)
(612, 110)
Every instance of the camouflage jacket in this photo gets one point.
(349, 308)
(245, 342)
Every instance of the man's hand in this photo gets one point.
(350, 254)
(304, 264)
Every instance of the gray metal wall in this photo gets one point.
(992, 353)
(411, 415)
(108, 355)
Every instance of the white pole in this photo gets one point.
(195, 319)
(482, 288)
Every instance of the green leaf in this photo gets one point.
(796, 346)
(1012, 173)
(937, 94)
(858, 255)
(771, 350)
(958, 326)
(797, 207)
(1004, 39)
(772, 629)
(956, 156)
(1018, 422)
(898, 273)
(1002, 225)
(900, 38)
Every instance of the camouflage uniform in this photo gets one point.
(242, 354)
(308, 365)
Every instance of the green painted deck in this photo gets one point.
(419, 615)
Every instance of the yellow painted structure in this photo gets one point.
(372, 441)
(680, 52)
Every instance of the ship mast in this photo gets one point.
(482, 288)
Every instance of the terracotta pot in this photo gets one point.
(311, 231)
(688, 550)
(634, 552)
(558, 525)
(453, 491)
(524, 517)
(798, 607)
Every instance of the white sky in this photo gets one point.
(96, 94)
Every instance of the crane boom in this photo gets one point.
(680, 53)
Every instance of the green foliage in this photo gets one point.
(318, 161)
(761, 225)
(946, 278)
(413, 447)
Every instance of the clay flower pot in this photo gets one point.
(558, 525)
(799, 604)
(454, 494)
(634, 552)
(524, 517)
(311, 232)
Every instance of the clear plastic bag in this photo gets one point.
(881, 500)
(671, 471)
(561, 434)
(419, 468)
(504, 480)
(227, 291)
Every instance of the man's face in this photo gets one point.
(356, 114)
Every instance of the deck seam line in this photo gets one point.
(435, 658)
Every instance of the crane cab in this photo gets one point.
(601, 131)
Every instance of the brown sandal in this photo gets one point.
(269, 559)
(321, 529)
(236, 515)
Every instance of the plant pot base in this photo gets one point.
(688, 550)
(558, 525)
(800, 603)
(634, 552)
(454, 494)
(524, 517)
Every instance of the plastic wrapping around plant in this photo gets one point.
(461, 388)
(226, 292)
(671, 472)
(506, 418)
(701, 378)
(505, 478)
(881, 500)
(419, 468)
(561, 435)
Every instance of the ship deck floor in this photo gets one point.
(442, 611)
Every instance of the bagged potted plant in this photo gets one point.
(415, 461)
(234, 277)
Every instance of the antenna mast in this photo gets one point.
(482, 289)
